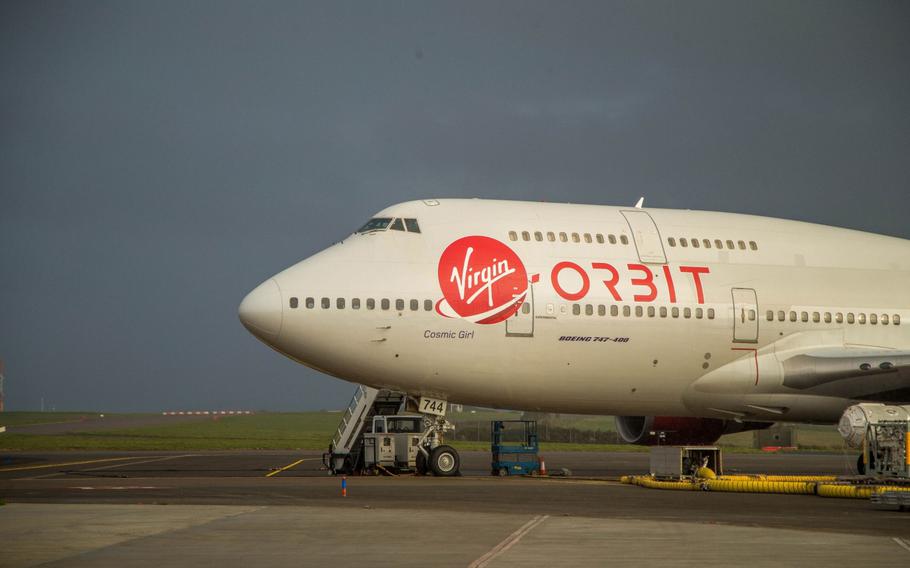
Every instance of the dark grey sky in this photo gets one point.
(160, 159)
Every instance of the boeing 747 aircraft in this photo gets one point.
(690, 323)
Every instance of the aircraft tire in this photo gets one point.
(444, 461)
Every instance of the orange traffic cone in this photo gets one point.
(543, 466)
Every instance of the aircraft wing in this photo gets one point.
(862, 373)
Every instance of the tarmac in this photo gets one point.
(245, 507)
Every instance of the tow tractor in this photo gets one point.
(385, 431)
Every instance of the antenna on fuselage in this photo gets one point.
(640, 202)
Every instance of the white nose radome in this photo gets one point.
(260, 311)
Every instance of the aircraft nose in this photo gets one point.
(260, 311)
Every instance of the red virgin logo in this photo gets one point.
(482, 280)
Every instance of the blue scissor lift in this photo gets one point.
(514, 445)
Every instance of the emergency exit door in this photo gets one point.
(522, 323)
(647, 239)
(745, 315)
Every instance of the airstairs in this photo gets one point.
(345, 451)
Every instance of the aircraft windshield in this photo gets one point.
(376, 224)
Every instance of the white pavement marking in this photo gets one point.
(509, 542)
(904, 543)
(117, 465)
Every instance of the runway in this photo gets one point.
(242, 507)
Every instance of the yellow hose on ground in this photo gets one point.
(761, 486)
(761, 477)
(652, 483)
(854, 491)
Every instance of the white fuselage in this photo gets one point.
(637, 324)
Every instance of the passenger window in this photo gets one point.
(371, 304)
(639, 311)
(707, 243)
(589, 310)
(551, 237)
(415, 305)
(576, 309)
(399, 304)
(293, 303)
(781, 316)
(612, 239)
(428, 305)
(663, 311)
(563, 237)
(816, 317)
(513, 236)
(792, 316)
(624, 239)
(862, 319)
(742, 245)
(526, 308)
(770, 315)
(718, 243)
(397, 225)
(896, 319)
(683, 242)
(695, 243)
(671, 241)
(699, 313)
(600, 238)
(412, 225)
(884, 319)
(614, 311)
(651, 311)
(626, 311)
(873, 319)
(730, 245)
(310, 303)
(355, 303)
(804, 316)
(850, 318)
(339, 303)
(525, 236)
(687, 313)
(675, 312)
(839, 317)
(575, 238)
(601, 310)
(710, 313)
(753, 245)
(587, 237)
(326, 303)
(827, 317)
(385, 303)
(538, 236)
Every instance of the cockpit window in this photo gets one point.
(376, 224)
(397, 225)
(412, 225)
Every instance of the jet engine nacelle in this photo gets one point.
(679, 431)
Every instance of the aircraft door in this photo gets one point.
(745, 315)
(522, 323)
(646, 236)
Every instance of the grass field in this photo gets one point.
(314, 430)
(268, 431)
(27, 418)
